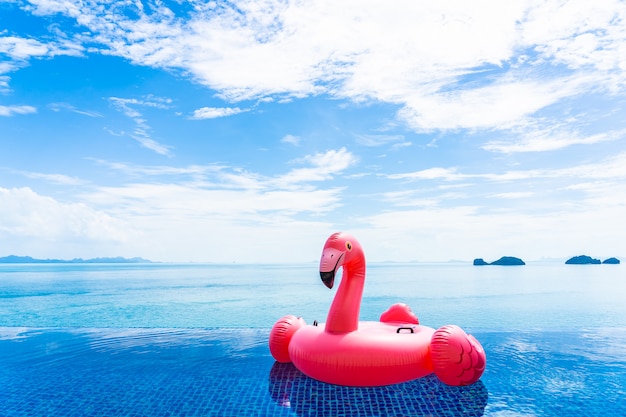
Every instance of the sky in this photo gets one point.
(249, 131)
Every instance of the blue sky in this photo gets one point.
(248, 131)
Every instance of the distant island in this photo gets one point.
(588, 260)
(12, 259)
(505, 260)
(613, 261)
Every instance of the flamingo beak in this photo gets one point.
(328, 278)
(331, 260)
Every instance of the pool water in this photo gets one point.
(229, 372)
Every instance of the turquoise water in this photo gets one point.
(543, 296)
(189, 340)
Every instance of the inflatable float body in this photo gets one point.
(396, 349)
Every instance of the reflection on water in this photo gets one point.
(290, 388)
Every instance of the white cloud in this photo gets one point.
(465, 233)
(141, 136)
(215, 112)
(20, 48)
(409, 198)
(138, 171)
(127, 105)
(26, 214)
(323, 167)
(170, 213)
(319, 167)
(584, 34)
(291, 139)
(13, 110)
(185, 202)
(580, 190)
(483, 107)
(57, 107)
(381, 139)
(448, 174)
(141, 133)
(549, 140)
(4, 82)
(59, 179)
(124, 105)
(514, 194)
(613, 167)
(204, 212)
(425, 64)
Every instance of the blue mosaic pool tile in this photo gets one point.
(190, 373)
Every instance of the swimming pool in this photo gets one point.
(229, 372)
(191, 340)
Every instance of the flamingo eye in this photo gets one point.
(349, 246)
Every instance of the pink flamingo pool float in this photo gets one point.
(396, 349)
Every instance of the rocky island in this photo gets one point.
(505, 260)
(582, 260)
(588, 260)
(613, 261)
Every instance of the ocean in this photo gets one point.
(538, 296)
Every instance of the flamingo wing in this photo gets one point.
(458, 358)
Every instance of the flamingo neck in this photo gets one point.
(343, 316)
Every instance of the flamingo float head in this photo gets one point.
(341, 250)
